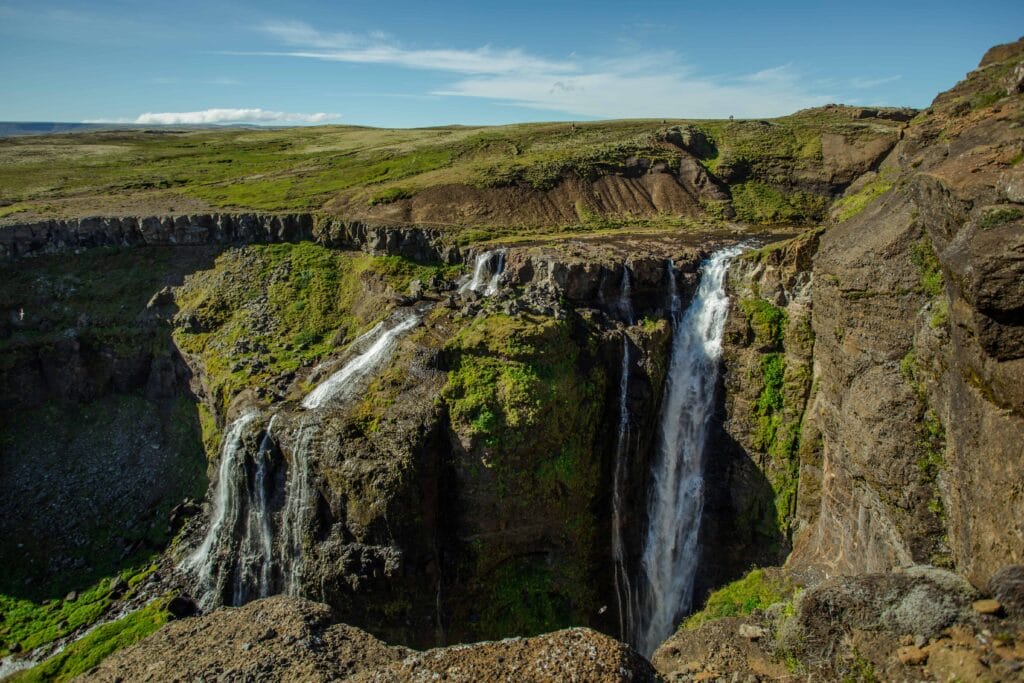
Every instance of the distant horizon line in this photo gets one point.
(111, 125)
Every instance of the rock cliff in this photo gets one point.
(869, 410)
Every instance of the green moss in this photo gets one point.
(757, 590)
(848, 207)
(525, 600)
(82, 655)
(923, 257)
(767, 320)
(522, 394)
(758, 202)
(28, 624)
(773, 369)
(940, 313)
(211, 433)
(931, 440)
(265, 311)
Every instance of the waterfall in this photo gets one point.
(676, 497)
(624, 595)
(256, 550)
(339, 385)
(226, 505)
(487, 270)
(298, 501)
(264, 550)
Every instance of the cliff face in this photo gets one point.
(906, 453)
(475, 468)
(871, 403)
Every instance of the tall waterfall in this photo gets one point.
(252, 547)
(676, 497)
(624, 594)
(487, 270)
(256, 554)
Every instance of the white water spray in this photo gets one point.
(676, 498)
(265, 549)
(256, 550)
(487, 270)
(298, 503)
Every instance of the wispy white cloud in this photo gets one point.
(208, 116)
(647, 84)
(615, 94)
(866, 83)
(380, 48)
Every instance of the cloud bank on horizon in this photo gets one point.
(214, 116)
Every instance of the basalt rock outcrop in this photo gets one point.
(227, 229)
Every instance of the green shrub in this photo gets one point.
(996, 217)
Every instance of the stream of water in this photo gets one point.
(624, 593)
(676, 496)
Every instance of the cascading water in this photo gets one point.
(487, 270)
(256, 551)
(676, 498)
(265, 554)
(226, 506)
(623, 588)
(298, 502)
(338, 385)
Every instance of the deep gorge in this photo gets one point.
(673, 436)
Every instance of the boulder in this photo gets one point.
(1007, 585)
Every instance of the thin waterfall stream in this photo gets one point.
(624, 594)
(676, 496)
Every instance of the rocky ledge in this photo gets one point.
(292, 639)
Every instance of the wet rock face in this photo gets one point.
(291, 639)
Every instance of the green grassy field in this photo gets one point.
(304, 169)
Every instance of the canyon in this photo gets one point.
(709, 400)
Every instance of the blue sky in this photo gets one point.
(431, 63)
